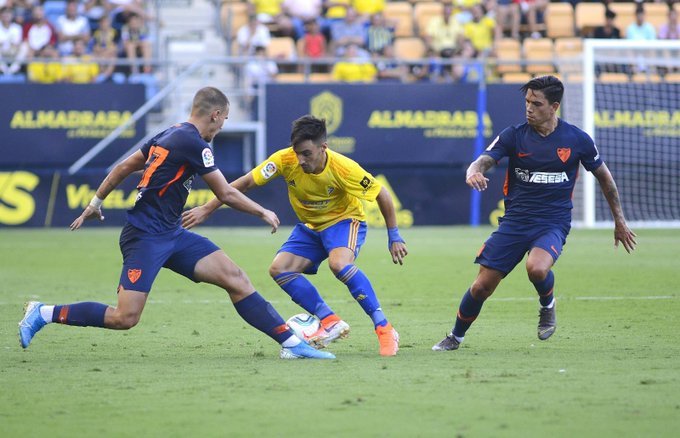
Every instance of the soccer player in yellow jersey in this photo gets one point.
(325, 190)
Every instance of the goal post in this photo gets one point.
(630, 96)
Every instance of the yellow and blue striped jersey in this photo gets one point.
(324, 199)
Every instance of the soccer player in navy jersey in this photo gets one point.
(152, 238)
(544, 156)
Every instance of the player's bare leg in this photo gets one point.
(470, 306)
(218, 269)
(539, 264)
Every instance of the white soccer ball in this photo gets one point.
(303, 325)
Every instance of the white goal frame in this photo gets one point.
(590, 188)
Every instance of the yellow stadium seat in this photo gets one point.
(672, 77)
(516, 77)
(625, 15)
(282, 48)
(646, 77)
(508, 49)
(538, 49)
(409, 48)
(613, 77)
(657, 13)
(400, 15)
(232, 17)
(589, 16)
(559, 20)
(568, 47)
(321, 77)
(423, 12)
(290, 77)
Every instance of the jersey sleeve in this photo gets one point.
(268, 170)
(503, 145)
(590, 158)
(359, 183)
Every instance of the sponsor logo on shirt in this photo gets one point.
(208, 159)
(541, 177)
(365, 183)
(269, 170)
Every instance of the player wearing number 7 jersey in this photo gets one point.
(153, 239)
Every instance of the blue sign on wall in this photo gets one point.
(52, 126)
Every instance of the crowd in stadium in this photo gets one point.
(86, 41)
(73, 41)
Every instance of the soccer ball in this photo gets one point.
(303, 325)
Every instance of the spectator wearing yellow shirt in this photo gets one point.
(79, 68)
(352, 68)
(271, 14)
(48, 70)
(444, 33)
(480, 30)
(366, 8)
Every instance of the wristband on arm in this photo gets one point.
(393, 236)
(96, 203)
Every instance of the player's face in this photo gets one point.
(218, 118)
(312, 157)
(538, 110)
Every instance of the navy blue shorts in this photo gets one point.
(506, 246)
(145, 254)
(315, 246)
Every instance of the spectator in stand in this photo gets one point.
(252, 34)
(136, 42)
(95, 10)
(671, 29)
(313, 45)
(22, 10)
(533, 12)
(48, 70)
(335, 11)
(39, 35)
(353, 67)
(430, 70)
(444, 33)
(378, 34)
(507, 10)
(350, 31)
(105, 46)
(270, 13)
(259, 70)
(608, 31)
(301, 11)
(468, 71)
(79, 68)
(389, 68)
(12, 50)
(640, 29)
(480, 31)
(71, 27)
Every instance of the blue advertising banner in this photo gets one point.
(51, 126)
(421, 196)
(394, 124)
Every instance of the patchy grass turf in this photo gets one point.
(194, 368)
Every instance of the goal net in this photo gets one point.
(626, 95)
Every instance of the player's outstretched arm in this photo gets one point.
(622, 233)
(474, 177)
(230, 196)
(198, 215)
(395, 243)
(121, 171)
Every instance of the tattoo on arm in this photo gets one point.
(609, 190)
(481, 164)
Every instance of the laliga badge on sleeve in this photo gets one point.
(268, 170)
(208, 159)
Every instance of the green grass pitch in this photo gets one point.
(192, 367)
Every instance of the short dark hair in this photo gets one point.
(308, 128)
(207, 100)
(610, 14)
(551, 87)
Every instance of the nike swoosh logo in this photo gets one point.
(522, 154)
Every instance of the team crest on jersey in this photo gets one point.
(564, 154)
(522, 174)
(134, 274)
(208, 159)
(188, 183)
(268, 170)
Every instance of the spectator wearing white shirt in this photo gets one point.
(40, 36)
(252, 34)
(640, 29)
(71, 27)
(12, 51)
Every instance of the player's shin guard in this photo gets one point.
(86, 314)
(257, 311)
(303, 293)
(467, 313)
(362, 291)
(545, 289)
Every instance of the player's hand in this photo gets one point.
(398, 251)
(194, 217)
(624, 235)
(477, 181)
(272, 219)
(89, 213)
